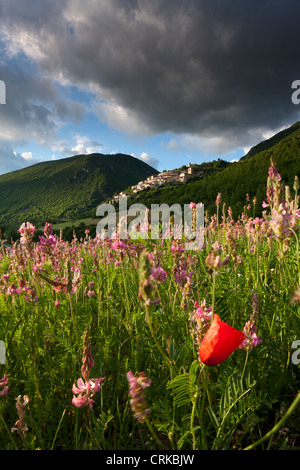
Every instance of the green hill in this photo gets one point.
(72, 188)
(66, 189)
(235, 180)
(275, 139)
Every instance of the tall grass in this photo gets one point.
(146, 306)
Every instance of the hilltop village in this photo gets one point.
(154, 181)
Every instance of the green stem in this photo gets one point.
(165, 357)
(154, 435)
(213, 294)
(205, 384)
(73, 318)
(297, 257)
(58, 428)
(278, 425)
(127, 304)
(192, 421)
(202, 407)
(246, 360)
(9, 432)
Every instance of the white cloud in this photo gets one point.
(120, 118)
(27, 155)
(82, 146)
(145, 157)
(222, 143)
(11, 160)
(218, 145)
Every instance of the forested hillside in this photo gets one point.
(233, 180)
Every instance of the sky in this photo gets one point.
(169, 82)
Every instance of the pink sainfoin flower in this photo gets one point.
(20, 425)
(87, 358)
(213, 260)
(183, 270)
(48, 229)
(145, 284)
(76, 279)
(200, 320)
(89, 290)
(119, 245)
(218, 199)
(283, 211)
(85, 391)
(27, 232)
(23, 286)
(32, 297)
(182, 276)
(251, 339)
(47, 243)
(3, 383)
(137, 390)
(176, 248)
(87, 388)
(13, 290)
(281, 220)
(158, 274)
(274, 187)
(296, 296)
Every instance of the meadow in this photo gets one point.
(143, 345)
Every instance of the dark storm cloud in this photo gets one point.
(33, 106)
(198, 67)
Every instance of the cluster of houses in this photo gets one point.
(154, 181)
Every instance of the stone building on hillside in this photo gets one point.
(155, 181)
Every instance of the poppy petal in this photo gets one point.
(219, 342)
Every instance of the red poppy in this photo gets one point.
(219, 342)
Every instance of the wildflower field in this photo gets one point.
(144, 345)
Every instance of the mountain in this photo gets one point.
(67, 188)
(275, 139)
(72, 188)
(235, 180)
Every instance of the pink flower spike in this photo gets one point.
(84, 392)
(82, 400)
(137, 390)
(3, 383)
(95, 384)
(81, 387)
